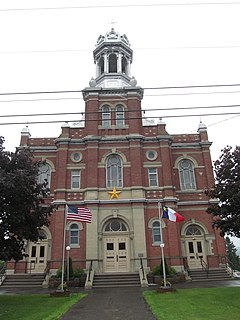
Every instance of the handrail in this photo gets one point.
(185, 264)
(47, 269)
(143, 271)
(89, 272)
(3, 271)
(204, 265)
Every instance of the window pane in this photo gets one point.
(42, 251)
(110, 246)
(190, 247)
(75, 179)
(186, 173)
(114, 171)
(152, 176)
(44, 174)
(119, 117)
(74, 234)
(106, 117)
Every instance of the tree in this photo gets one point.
(22, 208)
(233, 258)
(226, 211)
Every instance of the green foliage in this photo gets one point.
(227, 189)
(158, 270)
(22, 208)
(36, 307)
(233, 258)
(78, 272)
(197, 304)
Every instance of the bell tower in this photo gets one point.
(113, 99)
(113, 58)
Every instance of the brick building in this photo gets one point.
(120, 168)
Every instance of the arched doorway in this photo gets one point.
(116, 255)
(38, 253)
(195, 246)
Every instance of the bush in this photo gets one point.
(77, 273)
(158, 270)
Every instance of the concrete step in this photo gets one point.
(116, 280)
(211, 275)
(23, 281)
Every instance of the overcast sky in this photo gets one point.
(47, 46)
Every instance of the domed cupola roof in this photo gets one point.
(113, 36)
(113, 58)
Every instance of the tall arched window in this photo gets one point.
(156, 235)
(112, 63)
(124, 65)
(74, 234)
(114, 171)
(106, 117)
(101, 65)
(44, 174)
(187, 176)
(120, 116)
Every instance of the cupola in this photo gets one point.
(113, 58)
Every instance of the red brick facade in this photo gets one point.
(140, 148)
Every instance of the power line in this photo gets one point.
(129, 119)
(122, 6)
(145, 95)
(146, 88)
(126, 111)
(135, 49)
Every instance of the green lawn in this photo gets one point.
(196, 304)
(35, 307)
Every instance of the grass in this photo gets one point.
(196, 304)
(35, 307)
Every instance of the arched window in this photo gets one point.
(112, 63)
(114, 171)
(101, 65)
(156, 235)
(124, 65)
(187, 177)
(74, 234)
(120, 117)
(106, 117)
(115, 225)
(44, 174)
(193, 231)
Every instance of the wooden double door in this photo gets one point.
(196, 253)
(37, 256)
(116, 254)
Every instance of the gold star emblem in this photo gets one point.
(114, 193)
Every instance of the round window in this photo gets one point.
(151, 155)
(76, 156)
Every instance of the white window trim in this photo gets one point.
(150, 174)
(76, 175)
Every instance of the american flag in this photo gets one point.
(79, 214)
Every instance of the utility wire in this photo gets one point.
(122, 6)
(127, 111)
(145, 95)
(129, 119)
(146, 88)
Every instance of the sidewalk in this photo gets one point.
(117, 303)
(111, 304)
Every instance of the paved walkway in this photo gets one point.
(111, 304)
(117, 303)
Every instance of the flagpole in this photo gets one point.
(63, 247)
(162, 244)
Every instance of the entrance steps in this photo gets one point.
(25, 280)
(116, 280)
(210, 275)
